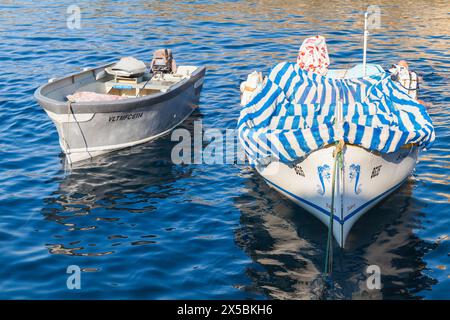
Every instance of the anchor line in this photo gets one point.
(66, 141)
(82, 133)
(70, 112)
(337, 154)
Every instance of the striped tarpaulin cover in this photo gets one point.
(294, 114)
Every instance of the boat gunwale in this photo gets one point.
(124, 105)
(330, 145)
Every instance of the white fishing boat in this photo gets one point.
(120, 105)
(365, 178)
(337, 143)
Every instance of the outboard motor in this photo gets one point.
(163, 62)
(407, 79)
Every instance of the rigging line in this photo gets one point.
(81, 131)
(66, 141)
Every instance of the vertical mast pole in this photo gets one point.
(366, 34)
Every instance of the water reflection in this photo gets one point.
(179, 222)
(287, 244)
(101, 199)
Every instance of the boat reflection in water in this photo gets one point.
(288, 246)
(97, 204)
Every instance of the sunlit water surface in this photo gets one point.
(140, 226)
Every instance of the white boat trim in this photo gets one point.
(60, 118)
(84, 153)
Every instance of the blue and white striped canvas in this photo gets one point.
(294, 114)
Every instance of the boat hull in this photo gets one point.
(88, 130)
(364, 180)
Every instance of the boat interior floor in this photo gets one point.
(99, 85)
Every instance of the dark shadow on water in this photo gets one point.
(103, 199)
(95, 211)
(287, 244)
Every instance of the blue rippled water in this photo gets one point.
(140, 226)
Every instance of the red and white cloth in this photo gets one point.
(313, 55)
(87, 96)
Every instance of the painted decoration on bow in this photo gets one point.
(324, 174)
(354, 172)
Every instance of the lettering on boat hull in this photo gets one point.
(128, 116)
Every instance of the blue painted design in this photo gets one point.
(324, 173)
(355, 170)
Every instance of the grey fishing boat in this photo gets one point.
(115, 106)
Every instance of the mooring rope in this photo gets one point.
(337, 155)
(66, 141)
